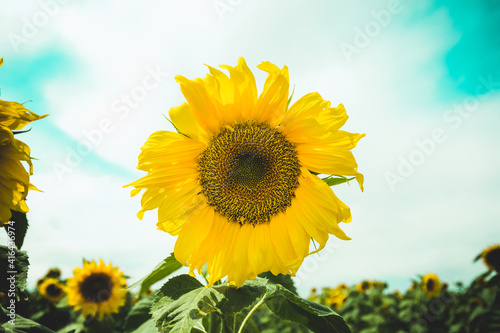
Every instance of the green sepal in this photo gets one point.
(333, 180)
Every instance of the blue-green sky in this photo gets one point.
(407, 72)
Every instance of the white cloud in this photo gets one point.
(435, 220)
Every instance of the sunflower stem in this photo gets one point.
(249, 315)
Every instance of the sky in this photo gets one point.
(420, 78)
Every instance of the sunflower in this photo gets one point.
(364, 286)
(14, 179)
(96, 289)
(51, 289)
(238, 184)
(491, 257)
(431, 284)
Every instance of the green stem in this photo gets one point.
(249, 315)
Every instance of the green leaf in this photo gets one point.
(161, 271)
(182, 302)
(336, 180)
(14, 265)
(147, 327)
(19, 224)
(237, 299)
(138, 315)
(285, 280)
(20, 324)
(314, 316)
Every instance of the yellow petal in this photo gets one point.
(327, 159)
(15, 116)
(166, 148)
(201, 104)
(245, 87)
(271, 104)
(178, 204)
(195, 230)
(183, 119)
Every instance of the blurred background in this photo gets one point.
(420, 78)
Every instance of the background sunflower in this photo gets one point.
(96, 289)
(431, 284)
(51, 289)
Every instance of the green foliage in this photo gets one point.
(336, 180)
(184, 302)
(165, 268)
(138, 315)
(315, 316)
(19, 222)
(18, 324)
(14, 265)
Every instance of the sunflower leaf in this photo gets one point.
(19, 223)
(182, 302)
(336, 180)
(237, 299)
(284, 280)
(138, 315)
(161, 271)
(20, 324)
(14, 265)
(314, 316)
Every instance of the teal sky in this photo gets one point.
(430, 57)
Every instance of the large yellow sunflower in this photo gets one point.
(14, 179)
(238, 183)
(96, 289)
(491, 257)
(51, 289)
(431, 284)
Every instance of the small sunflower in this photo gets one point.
(431, 284)
(313, 297)
(14, 179)
(238, 183)
(96, 289)
(491, 257)
(342, 286)
(51, 289)
(364, 286)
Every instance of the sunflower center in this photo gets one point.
(493, 258)
(249, 172)
(430, 285)
(53, 290)
(96, 288)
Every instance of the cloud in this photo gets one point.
(394, 90)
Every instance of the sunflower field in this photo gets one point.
(85, 303)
